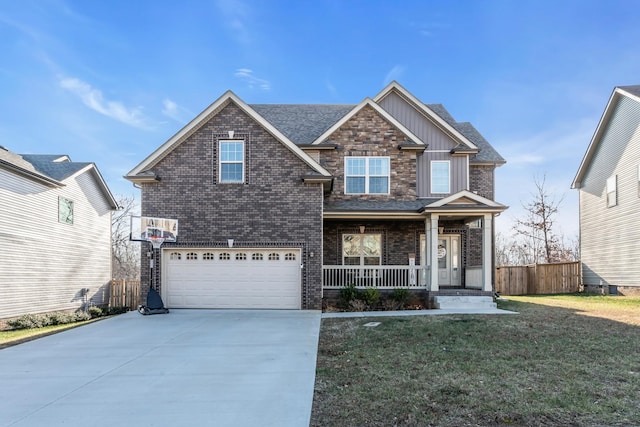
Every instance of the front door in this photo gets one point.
(448, 259)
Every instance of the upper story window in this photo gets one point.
(231, 161)
(65, 210)
(366, 175)
(612, 191)
(440, 177)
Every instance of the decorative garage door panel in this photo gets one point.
(232, 278)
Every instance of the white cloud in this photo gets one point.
(235, 16)
(394, 74)
(252, 81)
(174, 111)
(93, 98)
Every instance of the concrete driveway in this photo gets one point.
(185, 368)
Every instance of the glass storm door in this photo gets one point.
(448, 259)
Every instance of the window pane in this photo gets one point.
(440, 177)
(354, 185)
(371, 260)
(231, 172)
(351, 245)
(378, 166)
(371, 245)
(231, 151)
(352, 260)
(379, 185)
(355, 166)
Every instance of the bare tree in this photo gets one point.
(534, 235)
(125, 254)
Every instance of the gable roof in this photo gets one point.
(368, 102)
(631, 92)
(52, 170)
(467, 200)
(139, 172)
(463, 133)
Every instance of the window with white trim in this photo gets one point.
(440, 177)
(231, 161)
(366, 175)
(361, 249)
(612, 191)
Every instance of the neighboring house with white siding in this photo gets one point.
(608, 182)
(55, 231)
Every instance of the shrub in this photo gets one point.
(370, 296)
(348, 294)
(401, 295)
(29, 321)
(116, 310)
(33, 321)
(95, 312)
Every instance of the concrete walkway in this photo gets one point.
(186, 368)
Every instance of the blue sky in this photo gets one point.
(109, 82)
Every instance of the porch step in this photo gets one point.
(463, 302)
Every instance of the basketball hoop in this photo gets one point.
(156, 241)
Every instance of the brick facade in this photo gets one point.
(369, 134)
(273, 207)
(481, 180)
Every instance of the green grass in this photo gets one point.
(564, 360)
(13, 337)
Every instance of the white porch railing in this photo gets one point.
(378, 276)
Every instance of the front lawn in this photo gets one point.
(564, 360)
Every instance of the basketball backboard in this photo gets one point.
(144, 229)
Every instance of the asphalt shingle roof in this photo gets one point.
(45, 164)
(304, 123)
(634, 90)
(377, 205)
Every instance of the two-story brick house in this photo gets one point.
(280, 204)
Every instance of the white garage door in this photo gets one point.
(231, 278)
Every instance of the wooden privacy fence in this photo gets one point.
(560, 278)
(124, 293)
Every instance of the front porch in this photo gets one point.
(386, 278)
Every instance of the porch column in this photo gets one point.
(432, 253)
(487, 252)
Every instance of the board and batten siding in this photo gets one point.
(439, 146)
(610, 247)
(45, 263)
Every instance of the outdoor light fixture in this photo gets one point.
(362, 229)
(231, 134)
(230, 242)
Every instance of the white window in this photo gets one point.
(192, 255)
(361, 249)
(366, 175)
(612, 191)
(440, 177)
(231, 161)
(65, 210)
(257, 257)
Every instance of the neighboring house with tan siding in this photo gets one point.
(55, 231)
(608, 183)
(387, 193)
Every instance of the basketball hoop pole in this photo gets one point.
(156, 243)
